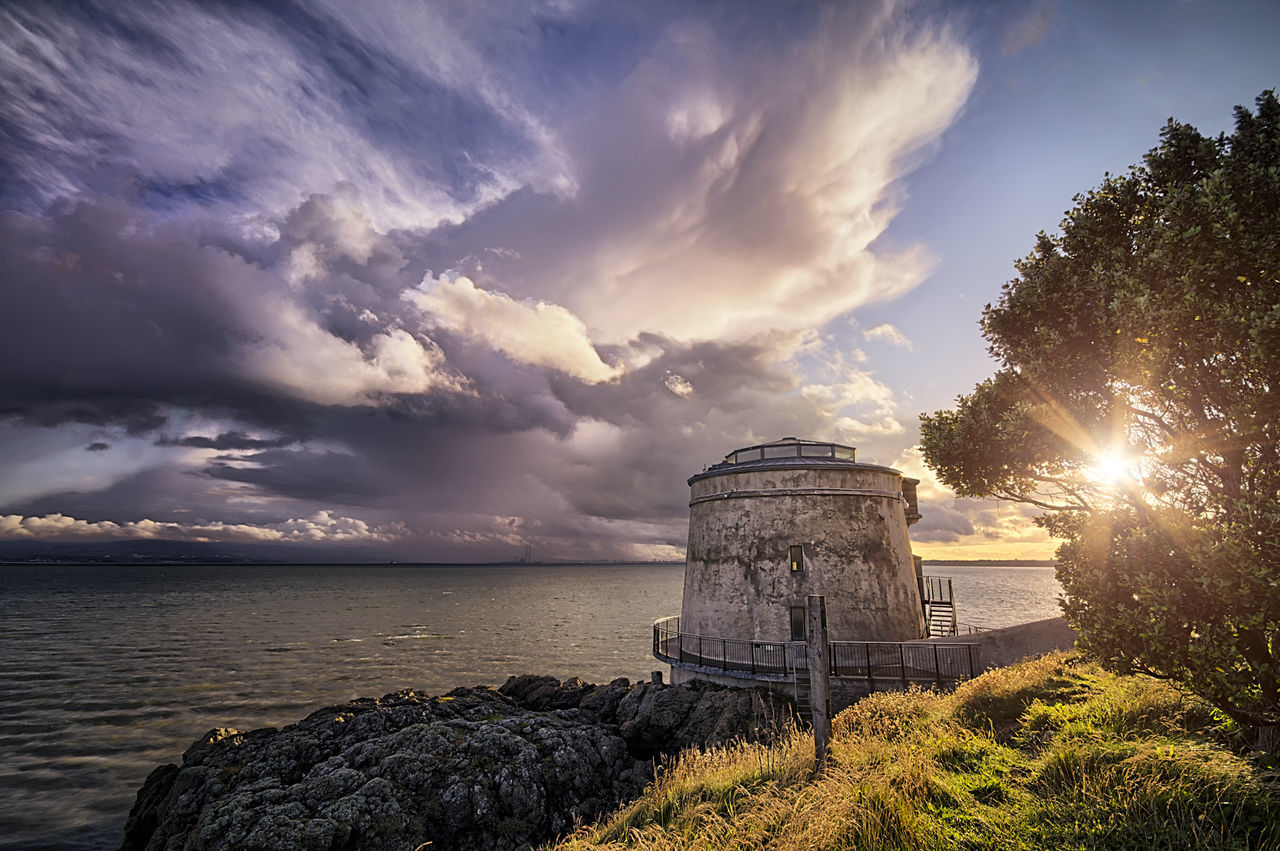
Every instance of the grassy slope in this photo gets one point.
(1053, 754)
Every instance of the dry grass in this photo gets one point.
(1048, 754)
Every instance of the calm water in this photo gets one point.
(106, 672)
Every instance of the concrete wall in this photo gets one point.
(1000, 647)
(852, 523)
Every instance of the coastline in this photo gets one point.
(477, 768)
(512, 767)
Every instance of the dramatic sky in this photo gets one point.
(436, 280)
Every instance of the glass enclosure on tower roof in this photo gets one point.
(790, 447)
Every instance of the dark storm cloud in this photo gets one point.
(942, 521)
(226, 440)
(639, 438)
(101, 96)
(170, 497)
(129, 324)
(107, 323)
(97, 446)
(120, 316)
(332, 478)
(453, 276)
(145, 323)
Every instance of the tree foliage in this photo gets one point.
(1137, 401)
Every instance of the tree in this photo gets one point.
(1137, 402)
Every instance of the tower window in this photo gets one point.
(797, 623)
(797, 559)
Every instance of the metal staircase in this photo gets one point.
(942, 618)
(939, 606)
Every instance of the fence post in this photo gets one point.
(937, 667)
(818, 651)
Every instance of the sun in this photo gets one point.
(1113, 467)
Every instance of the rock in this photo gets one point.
(144, 817)
(656, 719)
(474, 769)
(601, 704)
(542, 693)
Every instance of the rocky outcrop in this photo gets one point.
(477, 768)
(656, 719)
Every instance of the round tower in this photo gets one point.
(774, 523)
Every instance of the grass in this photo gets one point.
(1049, 754)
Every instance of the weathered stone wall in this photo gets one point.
(852, 523)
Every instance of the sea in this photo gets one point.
(108, 671)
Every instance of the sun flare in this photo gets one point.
(1112, 467)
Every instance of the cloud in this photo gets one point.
(123, 305)
(328, 476)
(323, 526)
(855, 388)
(678, 385)
(227, 440)
(497, 276)
(725, 191)
(888, 334)
(187, 102)
(535, 333)
(970, 528)
(862, 408)
(303, 359)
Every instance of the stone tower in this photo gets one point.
(775, 523)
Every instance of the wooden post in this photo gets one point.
(818, 652)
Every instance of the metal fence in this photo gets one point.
(724, 654)
(935, 589)
(907, 663)
(867, 660)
